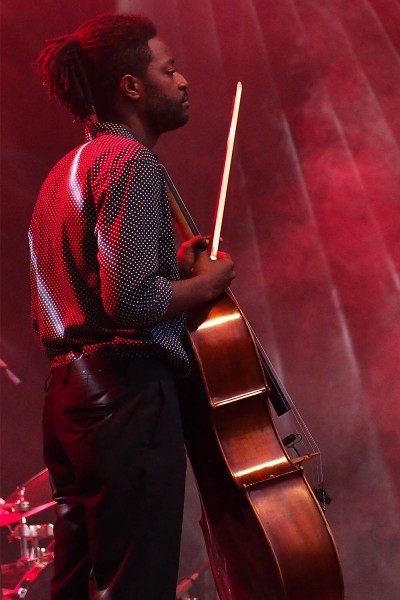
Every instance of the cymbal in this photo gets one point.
(6, 518)
(37, 497)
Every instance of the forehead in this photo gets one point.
(160, 51)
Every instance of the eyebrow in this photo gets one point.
(169, 62)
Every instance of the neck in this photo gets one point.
(142, 133)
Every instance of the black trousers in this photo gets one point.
(114, 449)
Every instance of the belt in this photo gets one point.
(116, 365)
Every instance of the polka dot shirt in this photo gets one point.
(103, 254)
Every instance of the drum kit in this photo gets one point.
(30, 575)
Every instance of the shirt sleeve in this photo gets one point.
(128, 230)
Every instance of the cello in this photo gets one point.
(264, 529)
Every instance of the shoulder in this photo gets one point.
(118, 146)
(116, 154)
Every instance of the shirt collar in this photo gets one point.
(94, 130)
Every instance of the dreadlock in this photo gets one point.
(83, 69)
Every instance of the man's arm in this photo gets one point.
(209, 279)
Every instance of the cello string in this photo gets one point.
(316, 465)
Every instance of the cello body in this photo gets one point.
(265, 533)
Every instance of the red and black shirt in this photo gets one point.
(103, 254)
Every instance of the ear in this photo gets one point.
(131, 86)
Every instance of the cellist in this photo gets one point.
(108, 303)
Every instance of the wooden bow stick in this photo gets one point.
(225, 175)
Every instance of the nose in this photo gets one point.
(182, 82)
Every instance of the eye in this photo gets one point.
(171, 72)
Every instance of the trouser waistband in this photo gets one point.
(108, 364)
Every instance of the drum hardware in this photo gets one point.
(14, 511)
(31, 583)
(37, 489)
(28, 535)
(186, 589)
(29, 577)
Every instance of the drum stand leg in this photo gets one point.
(23, 542)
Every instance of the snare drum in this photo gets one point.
(30, 582)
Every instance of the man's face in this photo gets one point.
(166, 97)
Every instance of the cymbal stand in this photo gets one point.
(23, 529)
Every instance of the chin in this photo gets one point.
(177, 124)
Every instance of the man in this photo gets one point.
(108, 297)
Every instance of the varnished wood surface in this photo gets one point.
(265, 533)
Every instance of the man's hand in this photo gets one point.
(215, 275)
(188, 254)
(205, 278)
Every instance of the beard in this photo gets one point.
(162, 113)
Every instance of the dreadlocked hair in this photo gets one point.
(83, 70)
